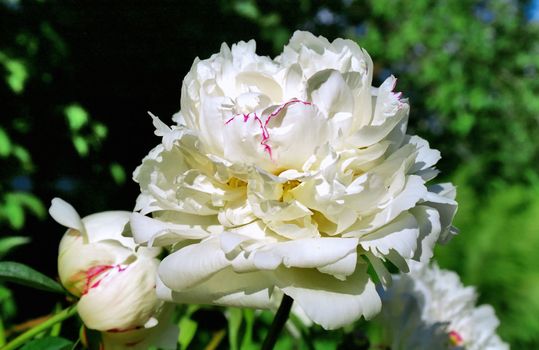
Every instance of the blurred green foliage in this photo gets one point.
(471, 70)
(77, 77)
(497, 253)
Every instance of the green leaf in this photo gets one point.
(285, 342)
(31, 202)
(463, 123)
(8, 308)
(5, 143)
(25, 275)
(118, 173)
(9, 243)
(247, 9)
(188, 329)
(247, 342)
(81, 145)
(100, 130)
(279, 37)
(21, 124)
(23, 156)
(17, 74)
(14, 213)
(235, 317)
(13, 208)
(76, 116)
(2, 333)
(54, 38)
(48, 343)
(270, 20)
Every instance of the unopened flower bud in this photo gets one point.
(114, 281)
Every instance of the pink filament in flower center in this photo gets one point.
(264, 125)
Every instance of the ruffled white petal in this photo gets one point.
(305, 253)
(329, 303)
(227, 288)
(185, 268)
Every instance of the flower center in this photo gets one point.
(234, 182)
(287, 187)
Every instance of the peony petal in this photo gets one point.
(293, 83)
(231, 240)
(400, 236)
(380, 269)
(256, 230)
(193, 264)
(245, 135)
(426, 157)
(144, 228)
(160, 232)
(341, 268)
(64, 214)
(306, 253)
(295, 229)
(429, 232)
(163, 336)
(76, 257)
(442, 198)
(226, 288)
(329, 302)
(295, 133)
(330, 93)
(236, 213)
(108, 225)
(110, 303)
(371, 134)
(412, 193)
(161, 129)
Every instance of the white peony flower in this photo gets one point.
(115, 282)
(292, 174)
(429, 308)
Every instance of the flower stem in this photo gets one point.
(2, 333)
(278, 323)
(216, 340)
(32, 332)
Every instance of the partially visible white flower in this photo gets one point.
(429, 308)
(114, 281)
(292, 175)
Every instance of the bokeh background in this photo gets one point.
(78, 77)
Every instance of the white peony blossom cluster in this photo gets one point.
(429, 308)
(289, 175)
(115, 283)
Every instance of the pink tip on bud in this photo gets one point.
(455, 339)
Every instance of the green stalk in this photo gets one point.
(216, 340)
(32, 332)
(2, 333)
(278, 323)
(57, 328)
